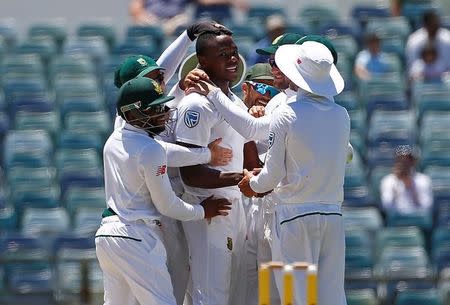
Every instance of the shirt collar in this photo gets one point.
(129, 127)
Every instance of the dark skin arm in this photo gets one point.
(204, 177)
(251, 157)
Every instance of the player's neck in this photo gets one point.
(223, 85)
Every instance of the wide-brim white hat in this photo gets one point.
(191, 62)
(310, 66)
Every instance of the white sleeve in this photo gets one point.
(426, 195)
(274, 169)
(172, 57)
(241, 121)
(178, 95)
(195, 120)
(179, 156)
(387, 192)
(154, 167)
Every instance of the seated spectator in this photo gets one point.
(431, 32)
(405, 190)
(169, 14)
(430, 67)
(371, 61)
(275, 27)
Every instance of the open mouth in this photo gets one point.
(232, 69)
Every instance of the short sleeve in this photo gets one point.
(195, 120)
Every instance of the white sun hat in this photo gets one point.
(310, 66)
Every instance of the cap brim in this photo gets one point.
(262, 77)
(150, 69)
(330, 85)
(161, 100)
(267, 51)
(191, 62)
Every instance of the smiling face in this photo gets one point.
(280, 80)
(219, 58)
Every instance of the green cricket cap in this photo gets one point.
(134, 66)
(258, 72)
(288, 38)
(323, 40)
(140, 93)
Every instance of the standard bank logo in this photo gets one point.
(191, 118)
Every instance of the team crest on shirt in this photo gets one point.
(191, 118)
(230, 243)
(271, 138)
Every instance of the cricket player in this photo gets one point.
(162, 71)
(177, 155)
(129, 242)
(223, 238)
(305, 166)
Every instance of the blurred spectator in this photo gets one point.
(396, 8)
(275, 27)
(431, 32)
(429, 67)
(218, 10)
(405, 190)
(371, 61)
(169, 14)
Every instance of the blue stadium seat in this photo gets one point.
(361, 297)
(95, 47)
(259, 13)
(48, 222)
(56, 30)
(9, 33)
(105, 31)
(84, 197)
(421, 219)
(137, 45)
(8, 220)
(151, 32)
(73, 139)
(47, 121)
(367, 218)
(317, 16)
(44, 47)
(392, 128)
(27, 148)
(399, 237)
(418, 297)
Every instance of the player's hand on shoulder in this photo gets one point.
(201, 87)
(192, 78)
(215, 207)
(220, 156)
(257, 111)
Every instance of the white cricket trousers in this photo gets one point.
(133, 260)
(259, 239)
(312, 233)
(177, 256)
(217, 255)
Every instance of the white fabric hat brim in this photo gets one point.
(286, 59)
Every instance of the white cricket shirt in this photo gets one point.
(395, 196)
(199, 123)
(308, 151)
(136, 182)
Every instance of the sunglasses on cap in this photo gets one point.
(264, 88)
(272, 63)
(158, 109)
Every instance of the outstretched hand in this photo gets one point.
(220, 156)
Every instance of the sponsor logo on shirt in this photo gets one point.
(271, 138)
(161, 170)
(191, 118)
(230, 243)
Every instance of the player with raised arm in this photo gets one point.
(129, 241)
